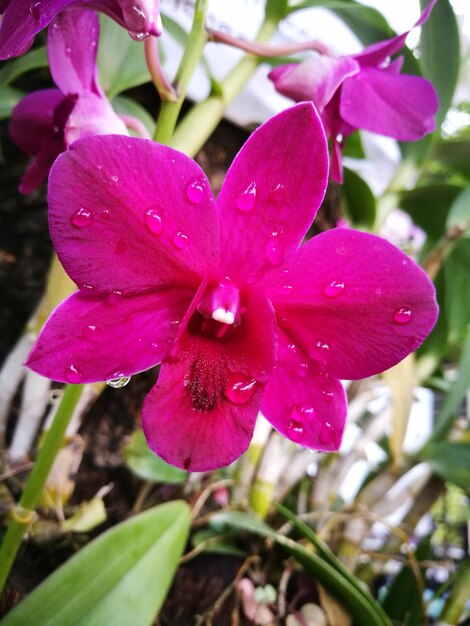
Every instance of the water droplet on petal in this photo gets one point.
(240, 389)
(296, 427)
(68, 51)
(273, 251)
(285, 290)
(302, 369)
(53, 30)
(153, 222)
(402, 315)
(35, 10)
(138, 36)
(295, 431)
(326, 433)
(114, 297)
(82, 218)
(334, 289)
(114, 178)
(196, 190)
(278, 193)
(118, 382)
(91, 333)
(320, 352)
(73, 375)
(180, 240)
(105, 214)
(154, 346)
(246, 201)
(87, 288)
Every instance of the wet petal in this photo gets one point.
(142, 231)
(72, 46)
(267, 202)
(316, 79)
(89, 339)
(395, 105)
(201, 413)
(302, 402)
(356, 304)
(141, 16)
(92, 115)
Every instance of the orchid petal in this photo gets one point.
(302, 402)
(316, 79)
(355, 303)
(89, 339)
(395, 105)
(141, 231)
(92, 115)
(201, 413)
(72, 46)
(267, 203)
(377, 53)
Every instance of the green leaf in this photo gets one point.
(120, 578)
(147, 465)
(127, 106)
(368, 24)
(358, 199)
(360, 604)
(9, 98)
(451, 461)
(121, 59)
(440, 53)
(33, 60)
(454, 155)
(457, 294)
(459, 214)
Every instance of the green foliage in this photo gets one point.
(127, 106)
(121, 60)
(120, 578)
(9, 98)
(457, 294)
(451, 461)
(33, 60)
(147, 465)
(440, 53)
(358, 199)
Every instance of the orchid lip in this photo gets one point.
(221, 303)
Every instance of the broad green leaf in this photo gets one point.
(358, 199)
(147, 465)
(120, 578)
(457, 295)
(459, 214)
(430, 353)
(459, 388)
(121, 59)
(9, 98)
(33, 60)
(368, 24)
(127, 106)
(454, 155)
(458, 597)
(360, 604)
(451, 461)
(440, 53)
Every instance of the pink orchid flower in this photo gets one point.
(45, 122)
(23, 19)
(241, 317)
(363, 91)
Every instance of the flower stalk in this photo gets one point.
(24, 513)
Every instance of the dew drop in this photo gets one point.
(68, 51)
(278, 193)
(154, 346)
(138, 36)
(302, 369)
(114, 178)
(114, 297)
(326, 433)
(247, 199)
(153, 221)
(272, 250)
(91, 333)
(54, 29)
(320, 352)
(402, 315)
(105, 214)
(285, 290)
(118, 382)
(82, 218)
(87, 288)
(180, 240)
(139, 14)
(240, 389)
(295, 431)
(73, 375)
(196, 190)
(334, 289)
(35, 10)
(298, 416)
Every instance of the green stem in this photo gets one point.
(22, 516)
(194, 130)
(169, 111)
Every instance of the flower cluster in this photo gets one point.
(242, 315)
(363, 91)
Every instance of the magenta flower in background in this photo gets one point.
(23, 19)
(220, 292)
(363, 91)
(45, 122)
